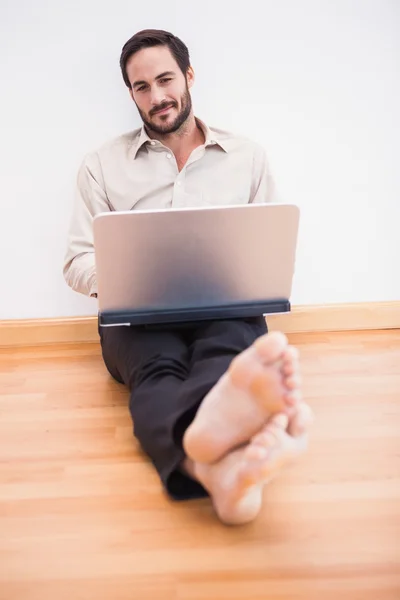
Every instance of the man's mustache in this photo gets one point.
(156, 109)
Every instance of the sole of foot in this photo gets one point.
(236, 482)
(261, 381)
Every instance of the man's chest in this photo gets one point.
(159, 181)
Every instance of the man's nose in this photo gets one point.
(157, 96)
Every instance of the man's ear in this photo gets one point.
(190, 77)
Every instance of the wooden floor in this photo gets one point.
(82, 516)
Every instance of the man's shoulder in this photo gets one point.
(236, 141)
(114, 147)
(121, 143)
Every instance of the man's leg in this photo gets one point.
(235, 480)
(154, 363)
(223, 357)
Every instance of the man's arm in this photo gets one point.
(262, 186)
(91, 199)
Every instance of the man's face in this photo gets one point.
(159, 89)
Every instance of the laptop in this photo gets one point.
(184, 265)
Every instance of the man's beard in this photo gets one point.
(182, 116)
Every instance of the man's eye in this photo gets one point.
(141, 88)
(165, 80)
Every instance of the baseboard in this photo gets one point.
(361, 316)
(34, 332)
(312, 318)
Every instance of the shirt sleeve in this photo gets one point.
(90, 199)
(263, 188)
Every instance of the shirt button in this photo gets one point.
(152, 143)
(169, 155)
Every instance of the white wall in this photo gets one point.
(316, 81)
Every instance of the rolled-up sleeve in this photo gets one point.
(263, 189)
(90, 200)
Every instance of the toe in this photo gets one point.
(256, 452)
(293, 397)
(271, 346)
(279, 421)
(293, 382)
(290, 355)
(269, 434)
(288, 369)
(301, 420)
(258, 439)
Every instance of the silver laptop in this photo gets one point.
(179, 265)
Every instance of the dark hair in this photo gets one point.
(154, 37)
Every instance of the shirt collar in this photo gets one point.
(211, 138)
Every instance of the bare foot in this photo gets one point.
(261, 381)
(236, 482)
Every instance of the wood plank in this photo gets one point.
(82, 513)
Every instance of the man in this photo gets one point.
(216, 405)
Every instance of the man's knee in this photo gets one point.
(159, 365)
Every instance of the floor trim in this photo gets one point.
(311, 318)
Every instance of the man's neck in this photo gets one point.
(183, 141)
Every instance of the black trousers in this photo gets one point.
(169, 370)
